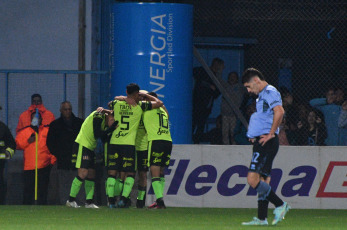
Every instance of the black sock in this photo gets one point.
(111, 200)
(273, 198)
(72, 199)
(160, 201)
(89, 201)
(262, 209)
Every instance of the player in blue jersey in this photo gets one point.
(263, 133)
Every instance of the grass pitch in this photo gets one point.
(61, 217)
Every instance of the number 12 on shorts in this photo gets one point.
(255, 157)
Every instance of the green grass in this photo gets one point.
(61, 217)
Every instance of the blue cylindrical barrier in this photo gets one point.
(151, 45)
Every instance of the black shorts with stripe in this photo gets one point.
(121, 158)
(159, 153)
(263, 156)
(85, 157)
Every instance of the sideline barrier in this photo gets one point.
(215, 176)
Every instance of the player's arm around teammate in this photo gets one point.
(159, 150)
(95, 126)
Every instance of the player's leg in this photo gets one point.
(263, 204)
(158, 163)
(89, 186)
(118, 188)
(110, 187)
(166, 146)
(142, 188)
(112, 165)
(128, 166)
(271, 148)
(142, 169)
(82, 163)
(261, 164)
(253, 179)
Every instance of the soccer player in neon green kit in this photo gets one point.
(141, 146)
(156, 122)
(96, 125)
(121, 151)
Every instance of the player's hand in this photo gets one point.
(344, 105)
(8, 155)
(131, 101)
(265, 138)
(31, 139)
(100, 109)
(120, 98)
(252, 140)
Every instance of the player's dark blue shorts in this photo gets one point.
(263, 156)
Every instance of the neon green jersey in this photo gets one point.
(129, 118)
(91, 129)
(157, 125)
(141, 142)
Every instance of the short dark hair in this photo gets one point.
(36, 95)
(132, 88)
(217, 61)
(153, 94)
(250, 73)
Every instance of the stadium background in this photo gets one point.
(304, 40)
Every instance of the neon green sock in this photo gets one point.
(89, 188)
(157, 187)
(162, 183)
(141, 193)
(110, 183)
(128, 185)
(118, 187)
(75, 187)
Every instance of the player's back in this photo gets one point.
(129, 118)
(156, 122)
(86, 135)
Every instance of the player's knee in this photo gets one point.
(112, 173)
(82, 173)
(252, 181)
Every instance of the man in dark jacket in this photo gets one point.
(7, 148)
(61, 136)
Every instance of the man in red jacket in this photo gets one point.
(25, 117)
(26, 140)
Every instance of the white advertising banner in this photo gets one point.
(216, 176)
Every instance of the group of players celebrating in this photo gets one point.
(136, 134)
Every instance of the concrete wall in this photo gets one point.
(41, 34)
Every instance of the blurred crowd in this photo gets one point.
(320, 121)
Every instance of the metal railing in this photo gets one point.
(7, 73)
